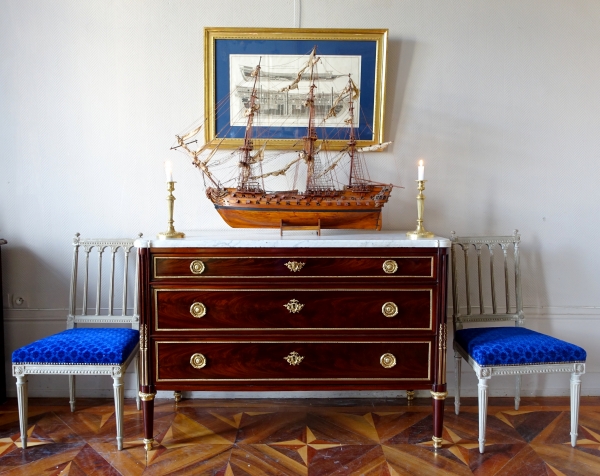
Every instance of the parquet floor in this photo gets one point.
(301, 437)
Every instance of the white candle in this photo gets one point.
(169, 170)
(421, 171)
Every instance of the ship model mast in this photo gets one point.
(250, 205)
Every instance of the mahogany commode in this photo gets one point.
(250, 310)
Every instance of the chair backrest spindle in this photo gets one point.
(125, 282)
(111, 289)
(93, 284)
(479, 279)
(467, 281)
(99, 283)
(462, 286)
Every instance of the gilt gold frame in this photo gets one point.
(223, 47)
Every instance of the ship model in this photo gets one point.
(322, 202)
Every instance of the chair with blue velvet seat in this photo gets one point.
(494, 263)
(90, 350)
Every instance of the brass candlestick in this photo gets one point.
(420, 232)
(170, 233)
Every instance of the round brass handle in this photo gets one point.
(387, 361)
(294, 358)
(389, 309)
(390, 266)
(197, 267)
(198, 309)
(294, 266)
(198, 361)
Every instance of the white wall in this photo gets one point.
(500, 98)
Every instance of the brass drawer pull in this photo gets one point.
(387, 361)
(389, 309)
(198, 309)
(294, 266)
(293, 306)
(197, 267)
(198, 361)
(390, 266)
(294, 358)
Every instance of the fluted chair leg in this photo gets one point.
(517, 391)
(457, 375)
(119, 399)
(137, 382)
(72, 390)
(575, 394)
(22, 403)
(483, 403)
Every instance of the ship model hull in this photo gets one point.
(322, 204)
(345, 208)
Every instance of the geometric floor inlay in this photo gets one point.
(301, 437)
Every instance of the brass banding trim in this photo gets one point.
(364, 379)
(437, 442)
(146, 397)
(394, 276)
(439, 395)
(155, 292)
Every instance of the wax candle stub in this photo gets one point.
(169, 170)
(421, 170)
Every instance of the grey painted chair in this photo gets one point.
(489, 268)
(85, 348)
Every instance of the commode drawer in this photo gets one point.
(247, 361)
(203, 267)
(409, 309)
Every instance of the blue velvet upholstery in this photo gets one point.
(515, 346)
(107, 346)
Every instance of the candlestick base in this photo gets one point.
(415, 235)
(170, 235)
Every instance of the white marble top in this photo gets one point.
(270, 238)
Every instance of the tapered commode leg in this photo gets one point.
(119, 400)
(438, 416)
(575, 394)
(177, 396)
(72, 390)
(22, 403)
(457, 375)
(483, 403)
(148, 413)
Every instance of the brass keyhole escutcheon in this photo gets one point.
(294, 266)
(390, 266)
(294, 306)
(387, 361)
(198, 361)
(294, 358)
(389, 309)
(198, 309)
(197, 267)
